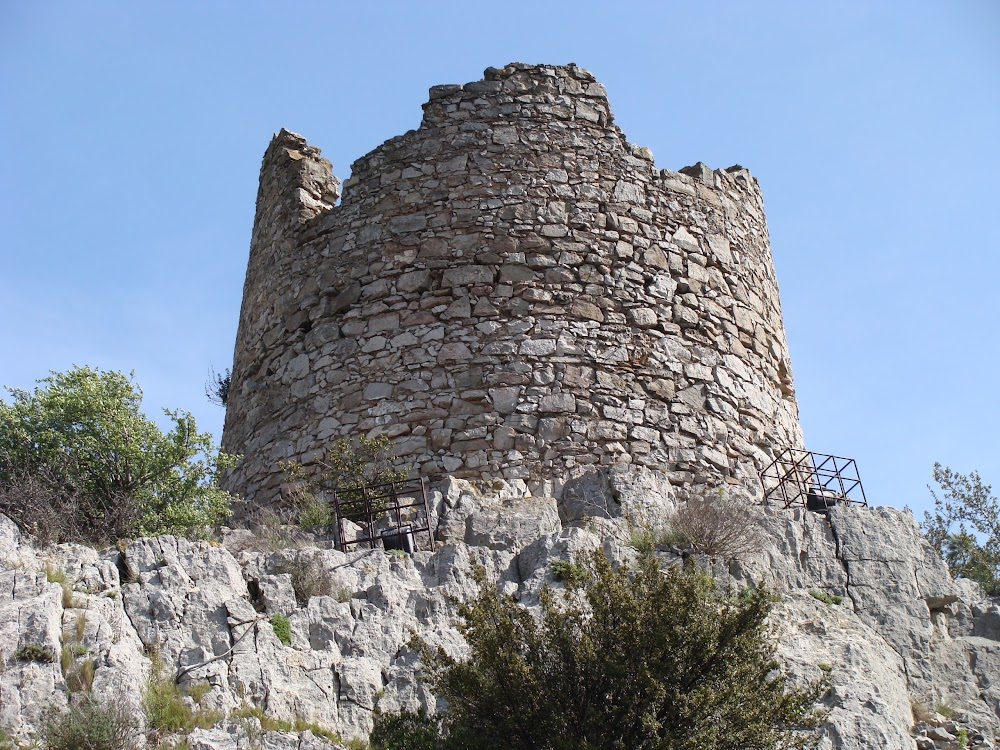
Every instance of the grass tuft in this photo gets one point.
(282, 627)
(825, 597)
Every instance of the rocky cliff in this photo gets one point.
(904, 635)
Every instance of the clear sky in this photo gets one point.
(131, 136)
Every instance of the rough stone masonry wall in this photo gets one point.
(511, 291)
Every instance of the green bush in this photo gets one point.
(34, 652)
(347, 465)
(80, 462)
(89, 725)
(282, 628)
(634, 658)
(167, 710)
(315, 515)
(571, 573)
(825, 597)
(407, 731)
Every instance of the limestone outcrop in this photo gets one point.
(904, 635)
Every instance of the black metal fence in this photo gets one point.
(392, 515)
(817, 481)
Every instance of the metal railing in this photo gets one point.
(391, 514)
(817, 481)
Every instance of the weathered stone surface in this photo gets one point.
(515, 232)
(349, 655)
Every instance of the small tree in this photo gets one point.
(90, 725)
(79, 445)
(217, 387)
(347, 465)
(973, 549)
(628, 658)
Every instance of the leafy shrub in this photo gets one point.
(825, 597)
(282, 627)
(973, 549)
(34, 652)
(315, 514)
(572, 574)
(80, 462)
(347, 465)
(89, 725)
(217, 387)
(635, 658)
(412, 731)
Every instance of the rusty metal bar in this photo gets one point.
(366, 504)
(795, 473)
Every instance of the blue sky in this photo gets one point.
(131, 136)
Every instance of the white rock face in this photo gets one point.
(903, 632)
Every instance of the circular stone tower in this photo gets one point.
(511, 291)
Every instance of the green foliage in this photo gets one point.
(361, 461)
(315, 515)
(282, 627)
(79, 673)
(217, 387)
(199, 690)
(347, 465)
(81, 677)
(34, 652)
(825, 667)
(70, 652)
(80, 440)
(166, 709)
(89, 725)
(407, 731)
(271, 724)
(572, 574)
(946, 710)
(54, 575)
(634, 658)
(825, 597)
(643, 540)
(962, 739)
(972, 550)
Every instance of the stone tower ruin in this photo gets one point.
(511, 291)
